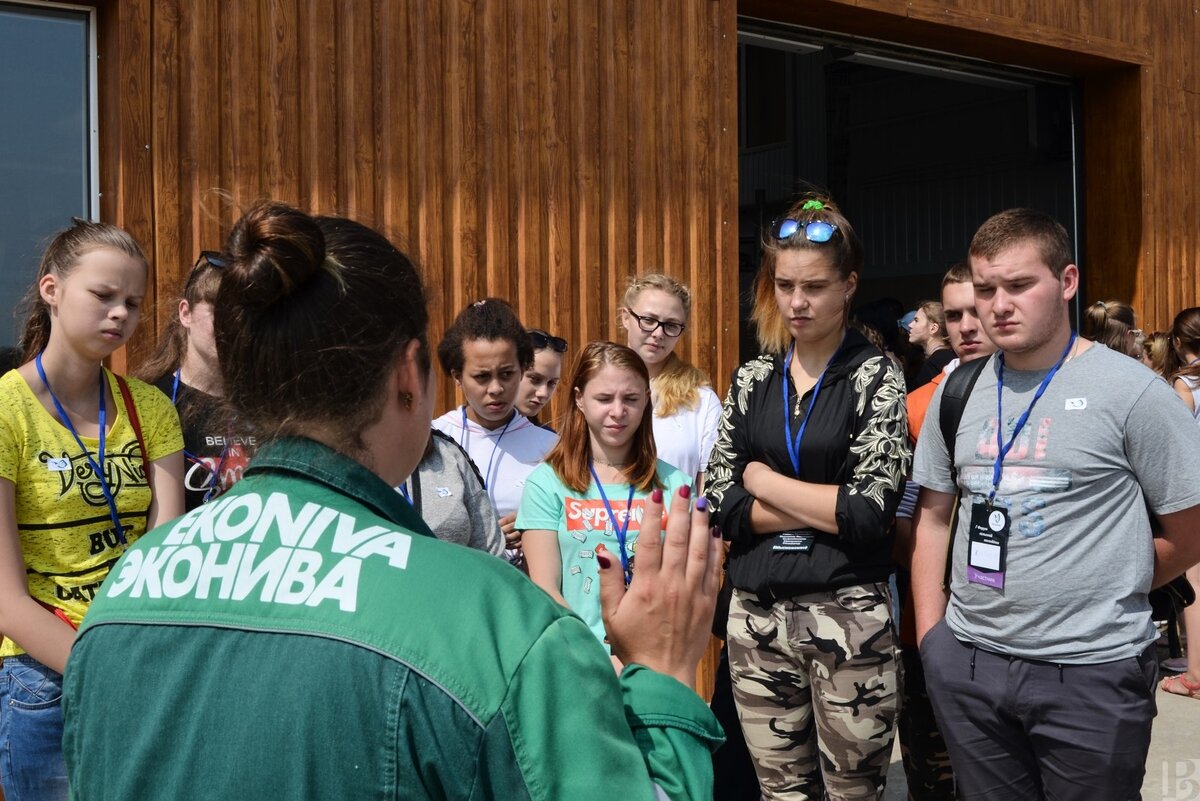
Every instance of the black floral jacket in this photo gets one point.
(857, 438)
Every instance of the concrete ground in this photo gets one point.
(1172, 767)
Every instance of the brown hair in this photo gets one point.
(843, 252)
(959, 273)
(1109, 323)
(1016, 226)
(936, 315)
(311, 315)
(201, 286)
(571, 456)
(1185, 333)
(60, 258)
(1163, 360)
(678, 385)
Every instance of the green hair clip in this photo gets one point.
(812, 205)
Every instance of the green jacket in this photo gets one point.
(304, 636)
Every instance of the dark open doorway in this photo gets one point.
(918, 148)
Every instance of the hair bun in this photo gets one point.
(274, 249)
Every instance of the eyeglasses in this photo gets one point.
(816, 231)
(210, 258)
(649, 324)
(542, 340)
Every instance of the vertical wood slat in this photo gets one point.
(317, 123)
(126, 172)
(279, 94)
(355, 110)
(166, 154)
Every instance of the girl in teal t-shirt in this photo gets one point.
(590, 493)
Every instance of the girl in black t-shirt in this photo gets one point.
(185, 368)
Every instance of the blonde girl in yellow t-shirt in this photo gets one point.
(88, 462)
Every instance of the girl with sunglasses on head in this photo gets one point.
(589, 497)
(486, 351)
(88, 462)
(805, 479)
(384, 663)
(541, 379)
(217, 447)
(654, 314)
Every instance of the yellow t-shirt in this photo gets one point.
(66, 530)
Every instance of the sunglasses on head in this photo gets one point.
(815, 231)
(542, 340)
(210, 258)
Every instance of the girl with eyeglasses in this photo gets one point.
(540, 381)
(217, 447)
(382, 662)
(88, 462)
(486, 351)
(654, 314)
(805, 479)
(590, 496)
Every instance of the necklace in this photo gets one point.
(611, 464)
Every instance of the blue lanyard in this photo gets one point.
(214, 475)
(99, 468)
(612, 519)
(793, 443)
(487, 477)
(1002, 449)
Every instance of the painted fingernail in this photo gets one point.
(716, 532)
(701, 504)
(604, 561)
(685, 492)
(656, 496)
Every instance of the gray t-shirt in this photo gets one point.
(1108, 439)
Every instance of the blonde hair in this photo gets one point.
(1158, 350)
(936, 314)
(678, 385)
(60, 258)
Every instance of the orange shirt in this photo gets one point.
(918, 403)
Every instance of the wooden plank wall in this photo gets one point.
(536, 150)
(543, 150)
(1140, 116)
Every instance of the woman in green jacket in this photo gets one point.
(305, 636)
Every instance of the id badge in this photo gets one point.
(795, 541)
(987, 545)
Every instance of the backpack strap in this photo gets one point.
(131, 410)
(957, 388)
(955, 391)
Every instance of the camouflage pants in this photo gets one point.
(815, 678)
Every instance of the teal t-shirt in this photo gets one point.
(582, 522)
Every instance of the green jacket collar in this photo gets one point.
(309, 460)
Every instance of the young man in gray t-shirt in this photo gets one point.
(1040, 662)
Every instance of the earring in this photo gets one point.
(407, 399)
